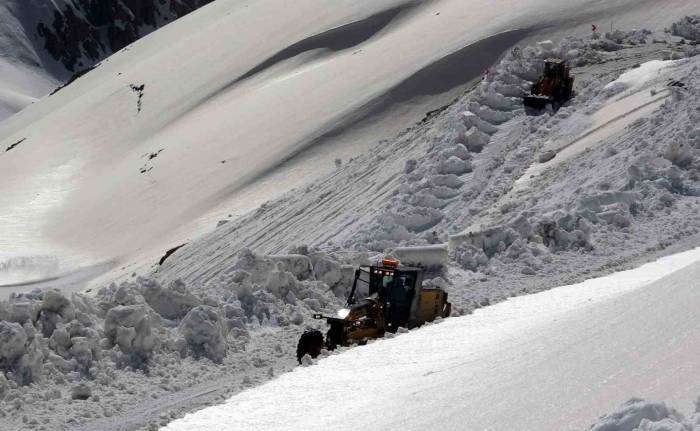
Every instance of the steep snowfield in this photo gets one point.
(118, 163)
(44, 42)
(24, 80)
(551, 361)
(616, 197)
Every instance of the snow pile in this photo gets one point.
(143, 334)
(430, 185)
(45, 333)
(442, 188)
(631, 37)
(205, 333)
(658, 167)
(640, 415)
(636, 78)
(688, 28)
(129, 328)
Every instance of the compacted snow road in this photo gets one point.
(551, 361)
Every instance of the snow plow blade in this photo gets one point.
(427, 257)
(536, 102)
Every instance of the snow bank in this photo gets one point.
(640, 415)
(131, 323)
(173, 302)
(205, 333)
(637, 78)
(688, 27)
(121, 347)
(129, 327)
(423, 208)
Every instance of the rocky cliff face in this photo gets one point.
(82, 32)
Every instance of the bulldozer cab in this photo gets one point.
(396, 287)
(554, 68)
(554, 87)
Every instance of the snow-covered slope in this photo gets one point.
(44, 42)
(215, 318)
(24, 78)
(167, 129)
(551, 361)
(610, 198)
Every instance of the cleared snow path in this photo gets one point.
(551, 361)
(608, 121)
(642, 92)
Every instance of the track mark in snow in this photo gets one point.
(29, 283)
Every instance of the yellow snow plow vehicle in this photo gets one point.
(395, 298)
(555, 87)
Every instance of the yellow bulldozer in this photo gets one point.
(395, 298)
(555, 87)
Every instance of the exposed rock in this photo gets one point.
(82, 32)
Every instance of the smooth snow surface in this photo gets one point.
(636, 78)
(106, 171)
(23, 79)
(550, 361)
(20, 86)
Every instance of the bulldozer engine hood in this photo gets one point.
(360, 310)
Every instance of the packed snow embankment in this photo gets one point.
(550, 361)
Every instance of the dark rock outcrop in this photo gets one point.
(86, 31)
